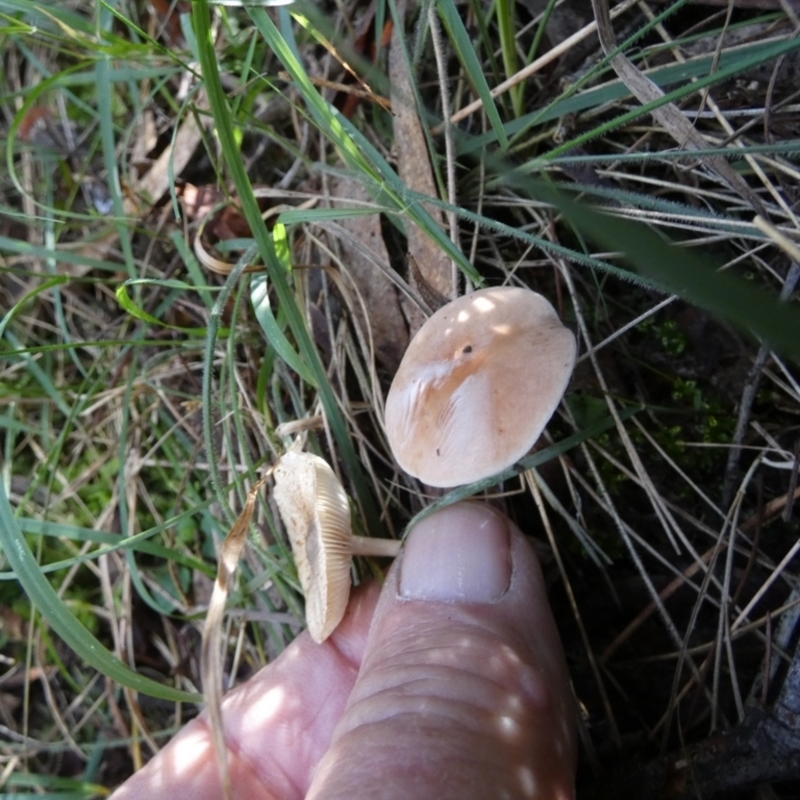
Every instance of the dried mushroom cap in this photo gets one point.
(315, 511)
(477, 386)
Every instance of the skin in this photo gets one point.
(447, 682)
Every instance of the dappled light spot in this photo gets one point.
(189, 751)
(535, 686)
(514, 703)
(527, 781)
(510, 654)
(483, 305)
(498, 665)
(509, 727)
(272, 702)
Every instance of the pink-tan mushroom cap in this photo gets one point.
(477, 385)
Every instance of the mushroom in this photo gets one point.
(316, 513)
(477, 385)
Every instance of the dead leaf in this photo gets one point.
(198, 201)
(172, 162)
(433, 267)
(381, 298)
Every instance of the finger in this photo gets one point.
(463, 692)
(277, 725)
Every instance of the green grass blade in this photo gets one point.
(357, 151)
(221, 112)
(466, 54)
(575, 256)
(48, 15)
(259, 296)
(128, 304)
(740, 65)
(63, 621)
(302, 216)
(508, 48)
(682, 271)
(541, 29)
(113, 541)
(784, 148)
(694, 74)
(19, 247)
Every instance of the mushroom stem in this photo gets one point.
(369, 546)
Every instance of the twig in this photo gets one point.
(537, 65)
(669, 116)
(749, 394)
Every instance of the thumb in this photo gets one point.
(463, 691)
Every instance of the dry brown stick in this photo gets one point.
(763, 748)
(669, 116)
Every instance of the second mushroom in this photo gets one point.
(316, 513)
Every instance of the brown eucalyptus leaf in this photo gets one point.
(385, 318)
(433, 271)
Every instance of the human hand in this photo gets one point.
(449, 682)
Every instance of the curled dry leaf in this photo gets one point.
(211, 659)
